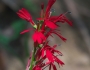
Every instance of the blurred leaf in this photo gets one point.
(18, 26)
(26, 37)
(30, 5)
(4, 40)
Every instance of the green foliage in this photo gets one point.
(30, 5)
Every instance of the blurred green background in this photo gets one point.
(15, 48)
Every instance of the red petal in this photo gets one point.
(52, 18)
(25, 31)
(39, 37)
(64, 39)
(50, 3)
(43, 52)
(54, 67)
(24, 14)
(58, 61)
(65, 19)
(50, 24)
(49, 56)
(34, 37)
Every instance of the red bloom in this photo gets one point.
(51, 57)
(50, 21)
(47, 52)
(24, 14)
(39, 37)
(52, 64)
(47, 22)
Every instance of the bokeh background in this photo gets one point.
(15, 48)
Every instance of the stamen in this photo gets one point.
(51, 11)
(67, 12)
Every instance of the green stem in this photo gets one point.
(33, 59)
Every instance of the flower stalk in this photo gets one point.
(45, 27)
(33, 59)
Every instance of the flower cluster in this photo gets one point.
(45, 27)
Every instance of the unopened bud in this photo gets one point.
(42, 6)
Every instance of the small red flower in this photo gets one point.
(50, 21)
(47, 52)
(24, 14)
(39, 37)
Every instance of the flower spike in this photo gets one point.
(43, 29)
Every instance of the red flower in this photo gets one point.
(48, 52)
(52, 64)
(45, 17)
(50, 21)
(24, 14)
(39, 37)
